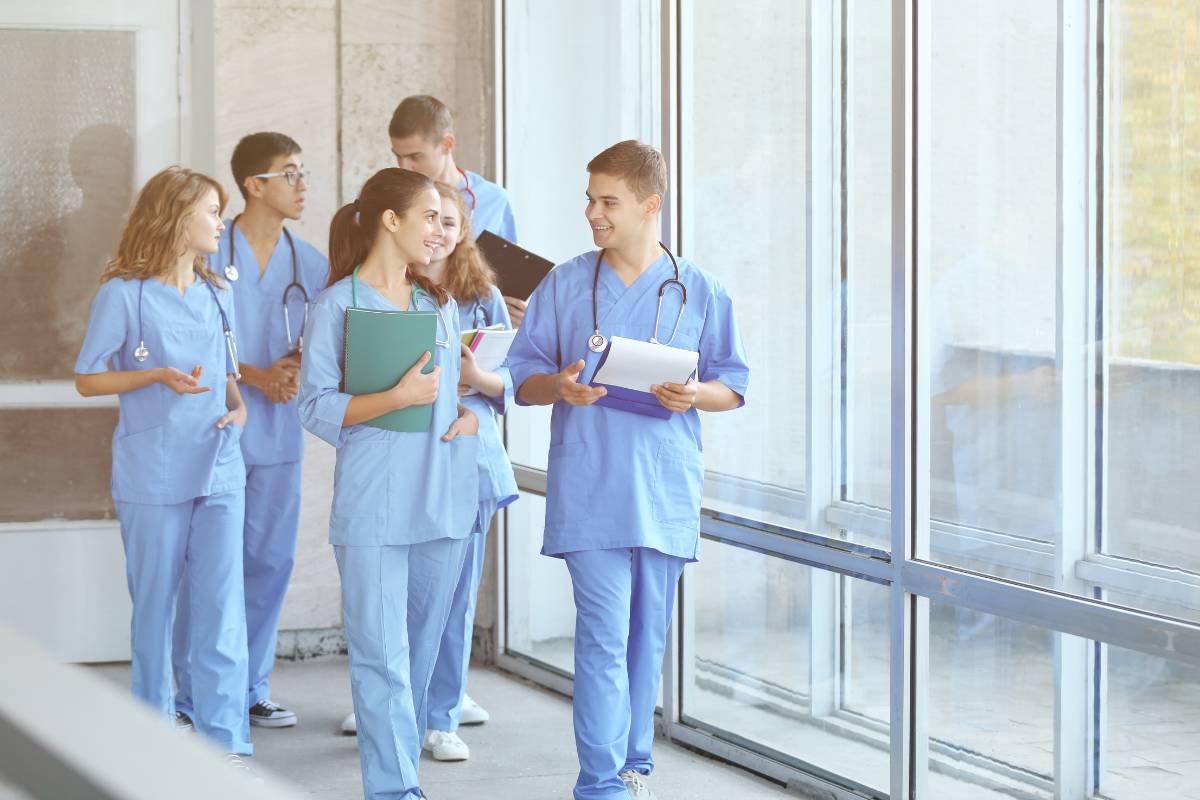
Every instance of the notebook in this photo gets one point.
(380, 347)
(518, 271)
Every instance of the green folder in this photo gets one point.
(380, 347)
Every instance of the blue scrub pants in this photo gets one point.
(449, 682)
(268, 554)
(395, 601)
(623, 602)
(202, 539)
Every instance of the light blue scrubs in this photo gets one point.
(404, 505)
(272, 448)
(623, 495)
(178, 484)
(492, 209)
(497, 488)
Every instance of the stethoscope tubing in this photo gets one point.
(141, 352)
(597, 342)
(231, 272)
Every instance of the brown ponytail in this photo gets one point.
(355, 225)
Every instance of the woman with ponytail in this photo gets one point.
(403, 503)
(159, 337)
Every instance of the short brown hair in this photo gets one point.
(641, 167)
(422, 114)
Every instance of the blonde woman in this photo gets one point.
(160, 337)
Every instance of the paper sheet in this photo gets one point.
(635, 364)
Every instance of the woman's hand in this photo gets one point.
(470, 372)
(416, 388)
(467, 424)
(236, 415)
(676, 397)
(516, 310)
(182, 383)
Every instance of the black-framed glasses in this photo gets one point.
(293, 176)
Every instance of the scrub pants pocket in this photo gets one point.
(678, 485)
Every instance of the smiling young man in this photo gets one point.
(269, 269)
(623, 489)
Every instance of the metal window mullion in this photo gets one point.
(908, 658)
(1072, 658)
(823, 99)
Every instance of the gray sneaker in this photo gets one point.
(266, 714)
(182, 721)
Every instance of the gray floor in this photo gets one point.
(526, 751)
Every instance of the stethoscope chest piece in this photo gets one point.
(597, 343)
(141, 353)
(231, 272)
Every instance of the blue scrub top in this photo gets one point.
(166, 448)
(615, 478)
(273, 432)
(493, 209)
(389, 488)
(496, 480)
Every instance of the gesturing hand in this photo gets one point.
(417, 388)
(574, 392)
(182, 383)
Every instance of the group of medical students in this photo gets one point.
(223, 339)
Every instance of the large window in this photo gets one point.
(950, 546)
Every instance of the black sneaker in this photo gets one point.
(182, 721)
(266, 714)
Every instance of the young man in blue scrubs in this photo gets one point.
(268, 269)
(422, 134)
(623, 489)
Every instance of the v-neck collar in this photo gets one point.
(612, 281)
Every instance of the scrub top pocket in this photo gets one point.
(363, 477)
(678, 485)
(567, 482)
(230, 448)
(139, 461)
(464, 457)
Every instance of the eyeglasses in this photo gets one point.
(293, 177)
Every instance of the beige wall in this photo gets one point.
(300, 66)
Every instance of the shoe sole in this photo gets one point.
(447, 758)
(473, 721)
(273, 723)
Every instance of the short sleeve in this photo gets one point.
(108, 329)
(535, 350)
(722, 356)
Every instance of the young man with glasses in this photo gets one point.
(274, 275)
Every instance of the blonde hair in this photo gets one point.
(641, 167)
(154, 235)
(468, 276)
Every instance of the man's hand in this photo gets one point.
(677, 397)
(571, 390)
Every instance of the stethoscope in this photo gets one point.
(597, 342)
(467, 186)
(418, 294)
(141, 352)
(232, 273)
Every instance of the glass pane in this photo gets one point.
(35, 485)
(1151, 736)
(1153, 268)
(540, 605)
(987, 272)
(552, 50)
(788, 658)
(66, 182)
(991, 706)
(743, 218)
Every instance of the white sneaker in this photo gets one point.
(350, 724)
(635, 784)
(472, 713)
(446, 746)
